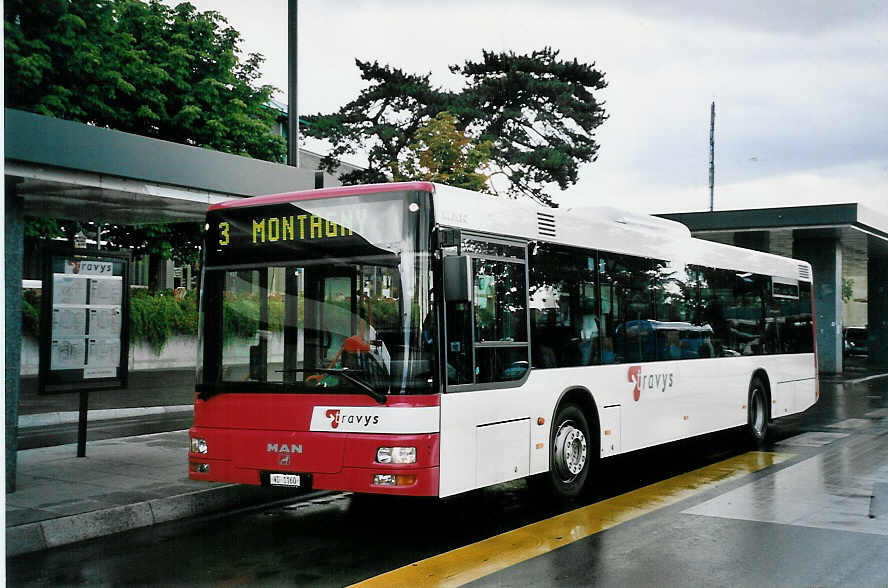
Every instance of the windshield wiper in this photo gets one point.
(345, 373)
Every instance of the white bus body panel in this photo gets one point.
(486, 435)
(513, 461)
(705, 395)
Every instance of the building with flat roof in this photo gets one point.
(847, 247)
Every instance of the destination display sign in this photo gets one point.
(271, 229)
(280, 232)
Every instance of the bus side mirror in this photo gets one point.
(457, 278)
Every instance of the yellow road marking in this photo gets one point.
(465, 564)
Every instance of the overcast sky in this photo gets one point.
(801, 88)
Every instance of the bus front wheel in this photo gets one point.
(757, 412)
(571, 452)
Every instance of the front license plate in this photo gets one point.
(291, 480)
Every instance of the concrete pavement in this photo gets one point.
(122, 484)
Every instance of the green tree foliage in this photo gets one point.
(847, 289)
(144, 68)
(31, 312)
(169, 73)
(382, 120)
(49, 228)
(538, 113)
(441, 153)
(178, 241)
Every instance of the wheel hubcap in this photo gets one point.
(570, 451)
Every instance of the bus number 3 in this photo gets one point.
(223, 231)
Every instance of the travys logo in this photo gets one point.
(338, 417)
(375, 419)
(648, 380)
(635, 376)
(333, 415)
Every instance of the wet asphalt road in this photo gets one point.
(340, 539)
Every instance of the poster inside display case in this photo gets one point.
(84, 320)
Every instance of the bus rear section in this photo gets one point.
(318, 344)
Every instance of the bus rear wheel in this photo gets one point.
(757, 413)
(571, 453)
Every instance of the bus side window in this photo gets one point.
(487, 335)
(500, 307)
(628, 284)
(565, 325)
(607, 328)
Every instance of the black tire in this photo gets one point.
(571, 453)
(758, 413)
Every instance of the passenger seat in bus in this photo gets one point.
(589, 340)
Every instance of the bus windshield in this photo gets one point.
(326, 296)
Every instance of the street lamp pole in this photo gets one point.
(292, 106)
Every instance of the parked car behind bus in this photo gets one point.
(854, 341)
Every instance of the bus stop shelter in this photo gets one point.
(837, 240)
(67, 170)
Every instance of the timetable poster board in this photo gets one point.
(84, 319)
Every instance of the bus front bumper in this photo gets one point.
(321, 461)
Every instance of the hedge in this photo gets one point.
(155, 317)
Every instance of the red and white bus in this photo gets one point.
(419, 339)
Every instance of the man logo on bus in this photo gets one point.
(662, 381)
(283, 448)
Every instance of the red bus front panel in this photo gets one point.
(332, 438)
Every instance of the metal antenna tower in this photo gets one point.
(712, 157)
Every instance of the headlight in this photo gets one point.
(394, 480)
(198, 445)
(396, 455)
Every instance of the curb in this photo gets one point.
(48, 419)
(50, 533)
